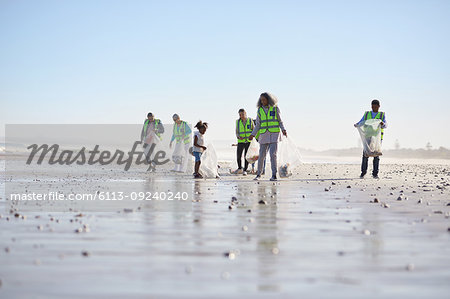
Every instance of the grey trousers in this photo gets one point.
(272, 148)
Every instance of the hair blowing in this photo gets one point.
(270, 98)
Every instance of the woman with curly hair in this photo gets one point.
(268, 125)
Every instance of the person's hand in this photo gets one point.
(250, 137)
(204, 147)
(170, 144)
(284, 133)
(382, 123)
(355, 125)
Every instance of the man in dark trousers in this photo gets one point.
(244, 127)
(374, 114)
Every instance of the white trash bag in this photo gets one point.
(208, 166)
(253, 152)
(288, 157)
(179, 153)
(149, 140)
(152, 138)
(152, 144)
(370, 133)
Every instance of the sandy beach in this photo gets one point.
(322, 233)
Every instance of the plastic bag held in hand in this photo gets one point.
(153, 143)
(151, 138)
(370, 133)
(179, 153)
(288, 157)
(208, 166)
(253, 152)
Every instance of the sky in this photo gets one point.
(64, 62)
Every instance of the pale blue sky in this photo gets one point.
(114, 61)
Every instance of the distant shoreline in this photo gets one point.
(441, 153)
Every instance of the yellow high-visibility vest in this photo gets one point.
(179, 132)
(380, 115)
(147, 122)
(269, 121)
(244, 130)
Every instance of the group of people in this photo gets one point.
(265, 128)
(181, 135)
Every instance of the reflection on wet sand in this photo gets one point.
(266, 234)
(233, 236)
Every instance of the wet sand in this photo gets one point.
(322, 233)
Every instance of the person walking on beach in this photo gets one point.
(244, 127)
(374, 114)
(268, 125)
(151, 124)
(182, 136)
(199, 147)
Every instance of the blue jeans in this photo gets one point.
(365, 164)
(272, 148)
(197, 156)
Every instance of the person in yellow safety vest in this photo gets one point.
(374, 114)
(244, 127)
(268, 125)
(182, 136)
(151, 124)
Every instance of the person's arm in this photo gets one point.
(173, 134)
(195, 141)
(160, 128)
(280, 121)
(237, 130)
(384, 125)
(188, 130)
(142, 132)
(257, 125)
